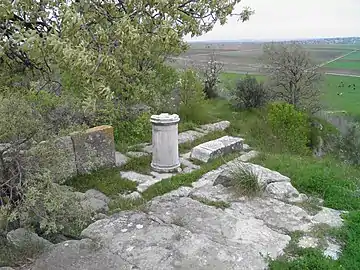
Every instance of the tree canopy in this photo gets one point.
(100, 49)
(293, 75)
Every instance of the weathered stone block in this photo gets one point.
(216, 148)
(57, 156)
(94, 149)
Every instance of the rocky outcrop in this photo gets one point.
(181, 230)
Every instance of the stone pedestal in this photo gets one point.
(165, 145)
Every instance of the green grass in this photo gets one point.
(338, 185)
(329, 179)
(340, 64)
(353, 56)
(107, 181)
(349, 101)
(139, 164)
(245, 183)
(228, 79)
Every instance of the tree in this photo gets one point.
(211, 72)
(295, 78)
(101, 49)
(104, 55)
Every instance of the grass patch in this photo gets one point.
(350, 99)
(245, 183)
(308, 259)
(121, 204)
(341, 64)
(335, 182)
(108, 181)
(138, 164)
(179, 180)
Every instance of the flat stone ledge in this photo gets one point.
(208, 151)
(222, 125)
(189, 136)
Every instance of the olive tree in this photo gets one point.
(294, 77)
(102, 49)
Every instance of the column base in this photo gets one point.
(167, 169)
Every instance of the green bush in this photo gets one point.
(291, 127)
(133, 131)
(192, 98)
(249, 93)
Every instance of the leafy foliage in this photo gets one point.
(91, 48)
(290, 126)
(28, 196)
(192, 98)
(250, 93)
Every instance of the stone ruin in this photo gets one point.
(186, 228)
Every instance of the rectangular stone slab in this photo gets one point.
(216, 148)
(94, 149)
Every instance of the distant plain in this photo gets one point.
(340, 63)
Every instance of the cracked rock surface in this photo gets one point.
(176, 231)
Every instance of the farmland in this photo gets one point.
(246, 58)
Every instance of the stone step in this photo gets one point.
(211, 150)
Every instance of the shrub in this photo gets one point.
(192, 98)
(28, 196)
(291, 127)
(250, 93)
(348, 146)
(133, 130)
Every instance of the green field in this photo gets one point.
(349, 101)
(246, 57)
(353, 56)
(344, 65)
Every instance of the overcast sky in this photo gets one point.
(291, 19)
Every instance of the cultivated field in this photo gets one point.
(246, 58)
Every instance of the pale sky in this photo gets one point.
(291, 19)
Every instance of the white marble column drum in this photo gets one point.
(165, 145)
